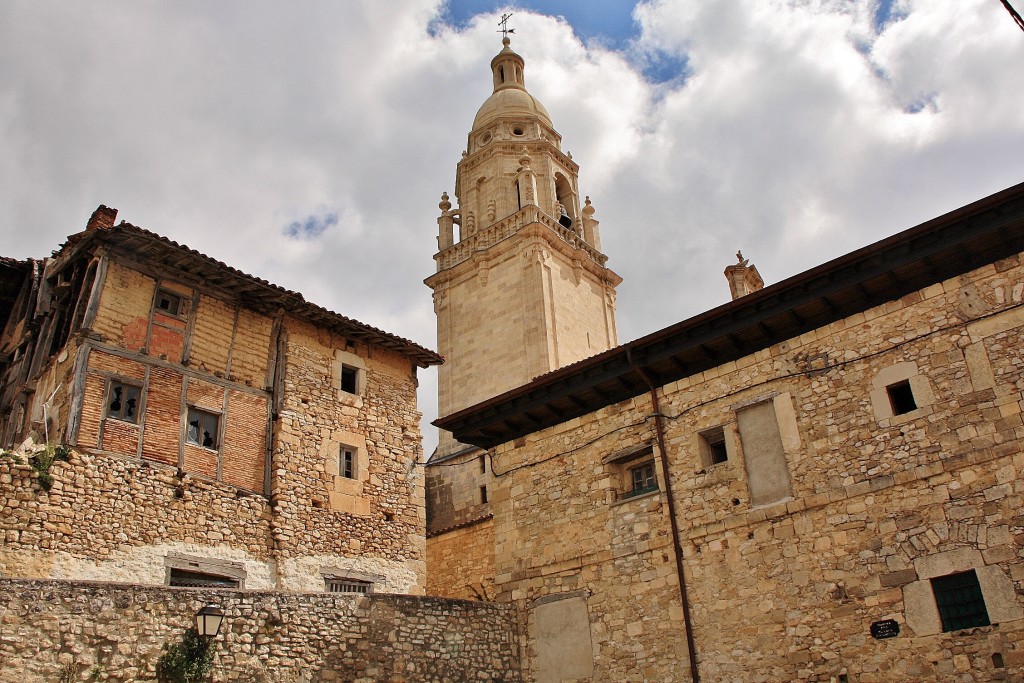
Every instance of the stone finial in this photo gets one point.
(743, 278)
(102, 218)
(444, 205)
(588, 208)
(525, 159)
(591, 233)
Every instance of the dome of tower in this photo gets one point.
(510, 102)
(510, 98)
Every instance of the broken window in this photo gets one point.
(123, 402)
(168, 302)
(203, 427)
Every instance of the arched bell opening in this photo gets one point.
(566, 200)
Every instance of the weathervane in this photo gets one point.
(505, 30)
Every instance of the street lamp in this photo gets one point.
(208, 621)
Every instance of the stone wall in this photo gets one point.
(116, 633)
(114, 519)
(461, 562)
(375, 521)
(267, 496)
(832, 510)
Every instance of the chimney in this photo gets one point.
(102, 218)
(743, 278)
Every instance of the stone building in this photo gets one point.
(819, 481)
(223, 430)
(520, 290)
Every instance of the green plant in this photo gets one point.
(97, 671)
(189, 661)
(11, 455)
(41, 462)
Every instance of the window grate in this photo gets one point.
(186, 579)
(350, 586)
(960, 601)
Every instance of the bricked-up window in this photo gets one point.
(347, 462)
(168, 302)
(713, 450)
(123, 402)
(335, 585)
(349, 379)
(901, 397)
(189, 579)
(643, 479)
(203, 428)
(960, 601)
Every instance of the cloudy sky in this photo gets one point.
(308, 143)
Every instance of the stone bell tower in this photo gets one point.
(521, 286)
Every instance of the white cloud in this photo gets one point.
(219, 125)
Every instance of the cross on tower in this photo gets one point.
(505, 30)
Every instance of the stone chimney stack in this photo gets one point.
(743, 278)
(102, 218)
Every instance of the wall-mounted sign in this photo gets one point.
(887, 628)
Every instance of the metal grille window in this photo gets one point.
(187, 579)
(348, 586)
(123, 402)
(960, 601)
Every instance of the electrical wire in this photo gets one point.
(1013, 13)
(764, 382)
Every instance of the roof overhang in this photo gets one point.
(142, 246)
(982, 232)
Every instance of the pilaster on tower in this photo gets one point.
(521, 286)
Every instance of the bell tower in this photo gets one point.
(521, 286)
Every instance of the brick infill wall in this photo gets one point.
(116, 632)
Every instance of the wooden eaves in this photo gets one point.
(982, 232)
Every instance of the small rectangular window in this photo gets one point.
(348, 586)
(642, 479)
(203, 428)
(188, 579)
(960, 601)
(713, 450)
(349, 377)
(168, 302)
(123, 402)
(347, 463)
(901, 397)
(483, 464)
(483, 494)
